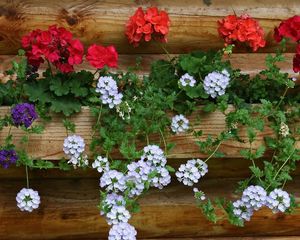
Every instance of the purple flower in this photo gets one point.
(8, 157)
(23, 114)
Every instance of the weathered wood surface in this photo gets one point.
(49, 144)
(250, 63)
(193, 23)
(68, 211)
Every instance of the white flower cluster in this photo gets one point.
(124, 109)
(28, 199)
(113, 180)
(122, 231)
(255, 197)
(108, 89)
(278, 200)
(187, 80)
(215, 83)
(191, 172)
(151, 168)
(74, 148)
(179, 124)
(284, 129)
(101, 164)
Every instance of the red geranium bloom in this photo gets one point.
(289, 28)
(145, 24)
(55, 45)
(242, 29)
(99, 56)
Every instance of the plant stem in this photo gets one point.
(165, 50)
(147, 139)
(27, 178)
(279, 170)
(211, 155)
(98, 120)
(49, 65)
(164, 140)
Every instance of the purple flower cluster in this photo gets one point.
(23, 114)
(8, 157)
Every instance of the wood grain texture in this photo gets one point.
(49, 144)
(193, 23)
(250, 63)
(68, 211)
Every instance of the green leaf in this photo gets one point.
(65, 105)
(260, 152)
(59, 86)
(43, 164)
(256, 171)
(209, 107)
(38, 91)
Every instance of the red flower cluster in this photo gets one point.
(290, 28)
(145, 24)
(99, 56)
(242, 29)
(56, 45)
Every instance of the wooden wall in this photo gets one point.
(68, 209)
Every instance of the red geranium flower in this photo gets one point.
(142, 25)
(99, 56)
(289, 28)
(55, 45)
(242, 29)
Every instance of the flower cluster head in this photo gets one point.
(55, 45)
(156, 160)
(23, 114)
(187, 80)
(117, 214)
(101, 164)
(122, 231)
(179, 124)
(108, 89)
(99, 56)
(146, 25)
(241, 29)
(241, 211)
(289, 28)
(215, 83)
(154, 156)
(74, 148)
(113, 180)
(254, 197)
(111, 200)
(278, 200)
(284, 129)
(137, 175)
(28, 199)
(8, 157)
(191, 172)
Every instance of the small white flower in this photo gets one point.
(113, 180)
(191, 172)
(187, 80)
(122, 231)
(101, 164)
(254, 197)
(215, 83)
(117, 214)
(28, 199)
(278, 200)
(242, 211)
(179, 124)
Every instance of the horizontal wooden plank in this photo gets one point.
(232, 238)
(193, 23)
(250, 63)
(68, 211)
(49, 144)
